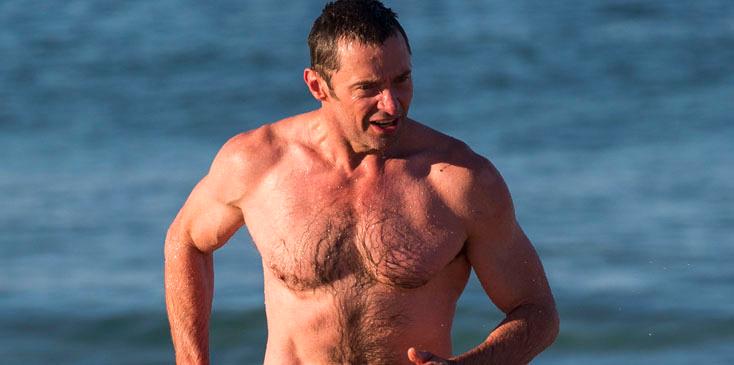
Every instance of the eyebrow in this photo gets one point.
(404, 74)
(376, 82)
(368, 82)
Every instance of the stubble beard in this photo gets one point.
(379, 144)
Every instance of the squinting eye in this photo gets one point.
(367, 90)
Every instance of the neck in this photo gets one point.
(326, 136)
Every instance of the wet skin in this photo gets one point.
(368, 224)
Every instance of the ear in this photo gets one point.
(316, 84)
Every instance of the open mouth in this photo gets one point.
(385, 124)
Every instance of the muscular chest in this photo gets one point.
(318, 230)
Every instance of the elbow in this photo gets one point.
(176, 242)
(552, 324)
(177, 235)
(543, 316)
(170, 241)
(179, 246)
(174, 232)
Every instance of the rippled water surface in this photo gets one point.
(611, 121)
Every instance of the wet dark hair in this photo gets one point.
(366, 21)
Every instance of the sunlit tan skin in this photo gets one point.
(367, 234)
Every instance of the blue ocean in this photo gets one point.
(612, 122)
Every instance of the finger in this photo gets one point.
(413, 356)
(419, 357)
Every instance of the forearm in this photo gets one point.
(525, 332)
(189, 280)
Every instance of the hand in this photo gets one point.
(426, 358)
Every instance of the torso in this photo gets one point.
(357, 268)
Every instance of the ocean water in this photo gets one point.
(611, 120)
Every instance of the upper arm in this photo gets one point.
(212, 213)
(500, 253)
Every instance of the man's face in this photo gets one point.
(371, 92)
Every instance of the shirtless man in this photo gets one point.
(368, 222)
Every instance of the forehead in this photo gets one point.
(358, 60)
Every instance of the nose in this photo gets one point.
(389, 102)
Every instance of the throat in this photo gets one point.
(355, 150)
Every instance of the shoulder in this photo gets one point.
(248, 152)
(468, 182)
(258, 151)
(454, 160)
(244, 160)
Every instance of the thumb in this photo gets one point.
(419, 357)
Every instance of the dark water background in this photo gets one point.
(611, 121)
